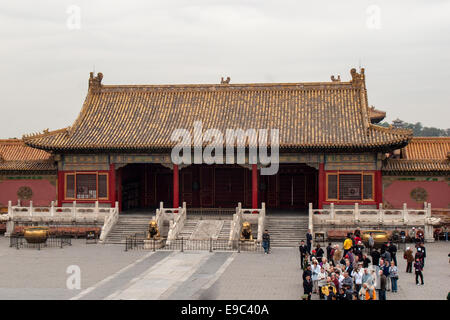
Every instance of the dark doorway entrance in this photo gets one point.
(293, 187)
(145, 185)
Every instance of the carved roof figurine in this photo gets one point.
(227, 81)
(338, 79)
(95, 83)
(376, 115)
(357, 78)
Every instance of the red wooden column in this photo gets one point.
(176, 191)
(322, 185)
(60, 188)
(112, 184)
(254, 186)
(378, 187)
(119, 187)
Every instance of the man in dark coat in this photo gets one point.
(319, 253)
(266, 241)
(303, 250)
(392, 248)
(307, 287)
(375, 254)
(418, 268)
(307, 272)
(421, 248)
(365, 261)
(309, 240)
(383, 283)
(329, 249)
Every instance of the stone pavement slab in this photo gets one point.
(108, 272)
(169, 272)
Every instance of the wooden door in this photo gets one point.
(164, 189)
(206, 187)
(229, 187)
(186, 187)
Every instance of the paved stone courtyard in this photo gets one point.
(108, 272)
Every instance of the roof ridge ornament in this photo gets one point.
(338, 79)
(95, 83)
(358, 79)
(227, 81)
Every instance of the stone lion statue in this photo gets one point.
(246, 233)
(153, 232)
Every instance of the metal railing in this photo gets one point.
(211, 213)
(139, 242)
(20, 242)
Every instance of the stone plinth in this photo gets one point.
(247, 245)
(153, 244)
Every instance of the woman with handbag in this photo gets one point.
(393, 274)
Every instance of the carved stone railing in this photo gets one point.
(236, 225)
(52, 214)
(356, 216)
(177, 223)
(110, 221)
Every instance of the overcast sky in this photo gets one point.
(46, 59)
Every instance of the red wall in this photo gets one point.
(43, 192)
(398, 192)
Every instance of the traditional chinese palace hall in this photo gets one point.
(119, 148)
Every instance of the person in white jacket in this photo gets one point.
(315, 270)
(322, 281)
(357, 275)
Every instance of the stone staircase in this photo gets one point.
(128, 225)
(286, 230)
(225, 231)
(189, 227)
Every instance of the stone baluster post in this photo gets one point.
(74, 210)
(52, 209)
(356, 213)
(332, 213)
(429, 237)
(10, 222)
(31, 208)
(405, 213)
(380, 213)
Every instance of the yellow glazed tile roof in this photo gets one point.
(318, 115)
(423, 154)
(16, 156)
(431, 148)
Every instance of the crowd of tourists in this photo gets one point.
(357, 272)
